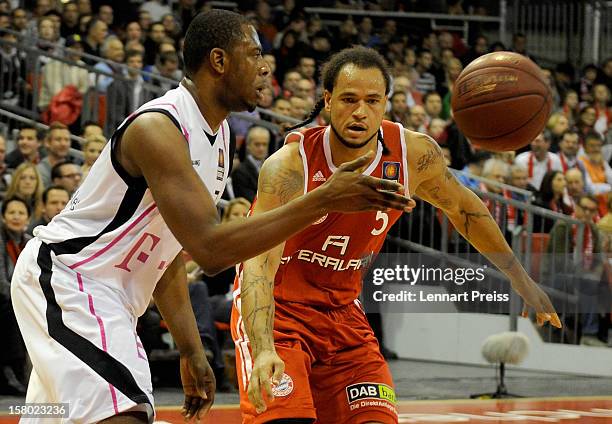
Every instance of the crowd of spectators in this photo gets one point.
(564, 169)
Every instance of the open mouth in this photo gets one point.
(357, 128)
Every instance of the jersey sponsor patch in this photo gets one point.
(284, 388)
(390, 170)
(318, 176)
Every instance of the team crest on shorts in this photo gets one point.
(284, 388)
(390, 171)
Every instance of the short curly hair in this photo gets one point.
(213, 29)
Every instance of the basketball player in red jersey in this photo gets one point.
(301, 335)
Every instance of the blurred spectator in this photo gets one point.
(399, 108)
(569, 107)
(479, 47)
(168, 67)
(519, 45)
(91, 152)
(575, 184)
(245, 177)
(70, 20)
(437, 130)
(418, 118)
(402, 83)
(556, 126)
(586, 275)
(539, 160)
(451, 72)
(276, 88)
(597, 172)
(145, 20)
(112, 50)
(605, 223)
(106, 14)
(288, 53)
(300, 108)
(603, 113)
(15, 216)
(425, 82)
(54, 199)
(84, 7)
(97, 30)
(433, 106)
(347, 35)
(57, 144)
(173, 30)
(550, 80)
(155, 8)
(282, 107)
(19, 20)
(305, 89)
(552, 196)
(67, 175)
(90, 129)
(157, 34)
(27, 185)
(495, 170)
(568, 150)
(48, 40)
(27, 150)
(606, 76)
(586, 122)
(585, 85)
(12, 72)
(448, 158)
(41, 8)
(518, 178)
(5, 175)
(307, 68)
(133, 32)
(366, 37)
(57, 75)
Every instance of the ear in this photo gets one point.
(218, 60)
(327, 95)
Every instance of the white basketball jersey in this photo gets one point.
(111, 230)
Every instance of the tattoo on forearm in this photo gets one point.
(508, 263)
(440, 201)
(427, 160)
(282, 182)
(469, 217)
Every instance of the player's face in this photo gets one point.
(16, 216)
(249, 73)
(357, 104)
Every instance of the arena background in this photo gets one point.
(67, 62)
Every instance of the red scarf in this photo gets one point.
(530, 165)
(14, 250)
(512, 212)
(495, 208)
(587, 245)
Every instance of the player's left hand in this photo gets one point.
(198, 384)
(534, 297)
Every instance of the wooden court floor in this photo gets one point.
(570, 410)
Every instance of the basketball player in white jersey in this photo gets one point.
(81, 283)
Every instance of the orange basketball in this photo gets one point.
(501, 101)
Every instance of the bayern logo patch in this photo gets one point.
(284, 388)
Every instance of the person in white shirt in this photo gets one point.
(539, 160)
(568, 149)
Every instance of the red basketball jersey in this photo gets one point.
(324, 264)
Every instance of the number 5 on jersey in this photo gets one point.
(381, 216)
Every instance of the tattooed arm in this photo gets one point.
(281, 179)
(433, 182)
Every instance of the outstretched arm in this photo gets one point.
(438, 186)
(153, 147)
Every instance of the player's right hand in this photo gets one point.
(348, 190)
(267, 370)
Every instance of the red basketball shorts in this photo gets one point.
(334, 372)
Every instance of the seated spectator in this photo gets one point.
(433, 106)
(418, 118)
(27, 185)
(552, 196)
(67, 175)
(28, 147)
(54, 200)
(603, 112)
(597, 172)
(569, 107)
(290, 82)
(575, 184)
(12, 71)
(133, 32)
(437, 130)
(282, 107)
(168, 67)
(157, 34)
(518, 179)
(539, 160)
(91, 151)
(57, 144)
(300, 108)
(15, 217)
(399, 108)
(305, 89)
(452, 71)
(91, 128)
(605, 223)
(111, 50)
(426, 81)
(56, 75)
(70, 20)
(97, 30)
(556, 126)
(587, 80)
(586, 274)
(495, 170)
(246, 175)
(276, 88)
(173, 29)
(402, 83)
(473, 167)
(5, 175)
(586, 122)
(568, 150)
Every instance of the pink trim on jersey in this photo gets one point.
(102, 334)
(183, 129)
(116, 239)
